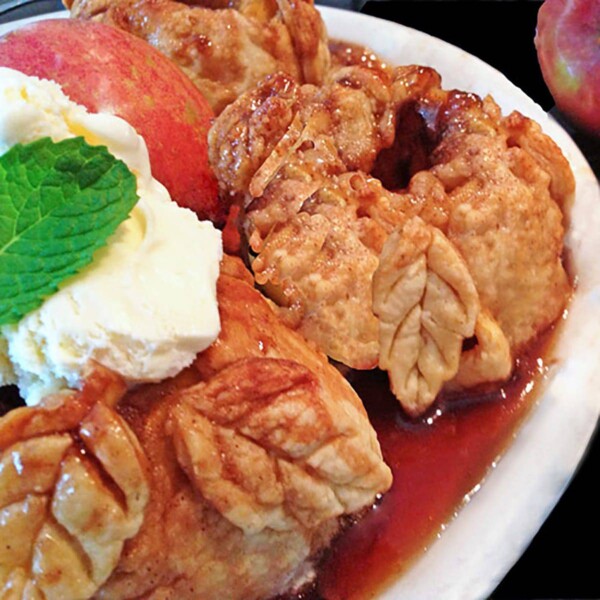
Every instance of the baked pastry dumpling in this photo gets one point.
(489, 190)
(231, 476)
(225, 48)
(73, 488)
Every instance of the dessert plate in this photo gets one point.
(497, 523)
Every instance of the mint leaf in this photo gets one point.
(59, 202)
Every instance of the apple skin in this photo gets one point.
(568, 48)
(108, 70)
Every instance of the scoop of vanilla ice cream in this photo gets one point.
(147, 303)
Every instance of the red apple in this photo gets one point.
(108, 70)
(568, 48)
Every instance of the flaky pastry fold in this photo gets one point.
(73, 489)
(228, 479)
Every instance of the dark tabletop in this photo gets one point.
(562, 560)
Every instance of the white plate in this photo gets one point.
(490, 533)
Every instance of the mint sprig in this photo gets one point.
(59, 202)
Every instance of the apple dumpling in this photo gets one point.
(233, 475)
(441, 270)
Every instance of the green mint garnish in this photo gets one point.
(59, 202)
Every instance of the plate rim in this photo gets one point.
(485, 567)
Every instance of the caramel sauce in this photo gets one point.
(437, 463)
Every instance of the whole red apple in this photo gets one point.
(568, 49)
(108, 70)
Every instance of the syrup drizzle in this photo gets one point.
(438, 461)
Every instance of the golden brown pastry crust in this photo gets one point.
(231, 476)
(224, 48)
(493, 188)
(427, 306)
(255, 451)
(73, 489)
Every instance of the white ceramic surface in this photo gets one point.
(490, 533)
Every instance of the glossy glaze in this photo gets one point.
(439, 462)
